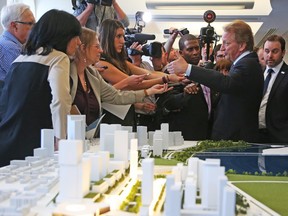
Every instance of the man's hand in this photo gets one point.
(191, 88)
(178, 66)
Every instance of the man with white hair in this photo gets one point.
(17, 21)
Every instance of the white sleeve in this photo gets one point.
(60, 106)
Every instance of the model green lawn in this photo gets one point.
(273, 194)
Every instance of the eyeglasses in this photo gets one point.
(97, 46)
(25, 23)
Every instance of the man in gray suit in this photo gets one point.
(236, 117)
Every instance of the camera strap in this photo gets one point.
(74, 4)
(103, 15)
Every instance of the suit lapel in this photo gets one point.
(282, 73)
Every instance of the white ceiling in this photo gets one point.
(263, 15)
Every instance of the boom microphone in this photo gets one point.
(143, 37)
(182, 31)
(167, 31)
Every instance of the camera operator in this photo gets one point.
(204, 62)
(160, 61)
(91, 13)
(168, 45)
(136, 57)
(145, 112)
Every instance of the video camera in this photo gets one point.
(153, 49)
(207, 34)
(134, 35)
(100, 2)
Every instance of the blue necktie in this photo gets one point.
(267, 80)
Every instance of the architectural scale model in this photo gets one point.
(82, 179)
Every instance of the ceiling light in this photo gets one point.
(147, 17)
(200, 7)
(200, 4)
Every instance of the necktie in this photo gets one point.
(206, 92)
(267, 80)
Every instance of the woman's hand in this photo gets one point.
(135, 79)
(176, 78)
(158, 89)
(56, 143)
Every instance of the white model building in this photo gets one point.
(76, 127)
(28, 187)
(47, 144)
(74, 176)
(147, 185)
(107, 136)
(134, 159)
(142, 135)
(213, 188)
(121, 146)
(158, 145)
(165, 135)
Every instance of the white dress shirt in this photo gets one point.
(262, 110)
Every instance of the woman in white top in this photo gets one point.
(36, 93)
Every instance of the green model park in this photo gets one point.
(268, 188)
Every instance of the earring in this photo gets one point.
(85, 60)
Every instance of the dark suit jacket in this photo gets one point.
(188, 113)
(277, 108)
(236, 117)
(24, 110)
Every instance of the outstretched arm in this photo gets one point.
(169, 43)
(83, 17)
(121, 15)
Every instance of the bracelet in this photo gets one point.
(167, 77)
(145, 92)
(164, 79)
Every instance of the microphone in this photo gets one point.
(167, 31)
(144, 37)
(182, 31)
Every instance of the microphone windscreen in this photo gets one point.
(144, 37)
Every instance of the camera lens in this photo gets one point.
(209, 16)
(210, 32)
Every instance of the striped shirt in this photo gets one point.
(10, 49)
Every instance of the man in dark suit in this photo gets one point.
(186, 112)
(241, 91)
(273, 113)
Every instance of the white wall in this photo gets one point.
(2, 4)
(43, 6)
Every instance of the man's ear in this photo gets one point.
(13, 26)
(242, 46)
(283, 53)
